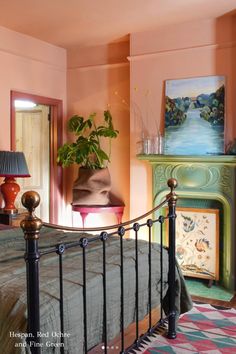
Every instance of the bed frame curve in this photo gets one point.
(31, 226)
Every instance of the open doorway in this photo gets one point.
(32, 136)
(37, 131)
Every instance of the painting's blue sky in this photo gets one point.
(194, 86)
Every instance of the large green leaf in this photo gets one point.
(75, 123)
(107, 132)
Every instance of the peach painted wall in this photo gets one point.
(98, 78)
(189, 50)
(31, 66)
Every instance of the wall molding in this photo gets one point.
(226, 45)
(55, 66)
(99, 66)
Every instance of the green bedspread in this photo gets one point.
(13, 290)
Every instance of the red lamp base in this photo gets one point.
(9, 190)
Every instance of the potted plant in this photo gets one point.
(93, 183)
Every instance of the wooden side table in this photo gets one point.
(12, 219)
(84, 210)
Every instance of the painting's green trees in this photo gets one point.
(175, 111)
(213, 109)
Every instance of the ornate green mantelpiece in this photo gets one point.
(210, 179)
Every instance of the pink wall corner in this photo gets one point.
(112, 53)
(196, 49)
(93, 88)
(30, 66)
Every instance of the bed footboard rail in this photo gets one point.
(31, 227)
(172, 261)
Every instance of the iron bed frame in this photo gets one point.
(31, 226)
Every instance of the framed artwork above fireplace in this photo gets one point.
(197, 242)
(195, 116)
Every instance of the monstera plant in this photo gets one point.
(93, 183)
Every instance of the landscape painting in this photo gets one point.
(195, 116)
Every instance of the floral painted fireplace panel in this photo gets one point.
(197, 242)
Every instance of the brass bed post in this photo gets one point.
(172, 183)
(31, 226)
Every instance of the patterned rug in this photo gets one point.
(205, 329)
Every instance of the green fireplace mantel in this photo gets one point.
(207, 178)
(188, 158)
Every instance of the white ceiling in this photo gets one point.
(69, 23)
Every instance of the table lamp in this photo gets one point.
(12, 164)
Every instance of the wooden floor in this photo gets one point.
(114, 346)
(231, 303)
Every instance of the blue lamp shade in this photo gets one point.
(12, 164)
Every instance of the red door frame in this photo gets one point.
(56, 176)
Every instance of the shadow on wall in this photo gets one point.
(118, 83)
(225, 62)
